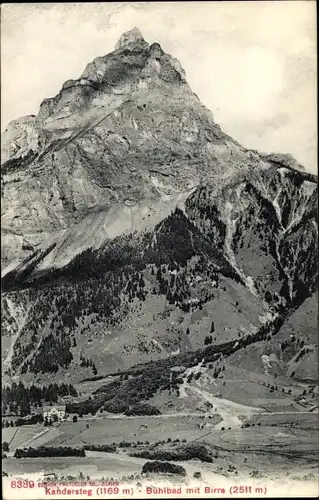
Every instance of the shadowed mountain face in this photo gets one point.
(134, 228)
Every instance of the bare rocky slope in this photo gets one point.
(135, 229)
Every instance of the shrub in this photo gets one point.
(5, 446)
(124, 444)
(163, 467)
(35, 419)
(199, 451)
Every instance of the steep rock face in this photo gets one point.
(292, 352)
(128, 130)
(266, 225)
(19, 139)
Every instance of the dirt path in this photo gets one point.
(228, 410)
(143, 417)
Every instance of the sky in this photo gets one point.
(253, 64)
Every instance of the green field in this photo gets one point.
(115, 430)
(299, 420)
(8, 433)
(24, 434)
(109, 430)
(265, 435)
(101, 466)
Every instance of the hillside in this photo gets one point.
(136, 231)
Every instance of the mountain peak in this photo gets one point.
(132, 36)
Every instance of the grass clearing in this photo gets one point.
(24, 433)
(300, 420)
(107, 431)
(7, 434)
(266, 436)
(89, 466)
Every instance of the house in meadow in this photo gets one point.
(54, 411)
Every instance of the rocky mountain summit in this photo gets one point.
(122, 134)
(134, 228)
(127, 134)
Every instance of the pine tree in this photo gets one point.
(159, 274)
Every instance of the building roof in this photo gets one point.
(55, 407)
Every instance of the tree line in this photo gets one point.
(18, 398)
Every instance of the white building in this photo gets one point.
(54, 411)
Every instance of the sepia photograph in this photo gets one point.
(159, 250)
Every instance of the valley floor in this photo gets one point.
(282, 448)
(256, 431)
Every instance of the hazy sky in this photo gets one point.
(253, 64)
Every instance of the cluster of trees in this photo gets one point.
(87, 407)
(217, 371)
(275, 387)
(191, 451)
(116, 405)
(142, 409)
(7, 423)
(53, 353)
(111, 387)
(302, 353)
(125, 396)
(18, 398)
(34, 419)
(49, 451)
(86, 363)
(5, 446)
(163, 467)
